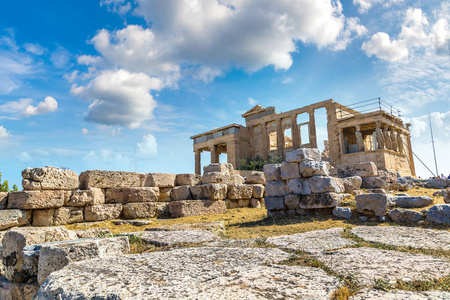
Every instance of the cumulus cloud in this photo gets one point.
(119, 98)
(3, 133)
(48, 105)
(147, 148)
(365, 5)
(381, 46)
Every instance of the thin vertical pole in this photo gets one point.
(432, 142)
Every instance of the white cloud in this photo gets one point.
(3, 133)
(287, 80)
(84, 131)
(34, 48)
(116, 6)
(147, 148)
(119, 98)
(381, 46)
(365, 5)
(24, 157)
(60, 58)
(252, 101)
(16, 107)
(48, 105)
(71, 77)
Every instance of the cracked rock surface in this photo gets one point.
(374, 294)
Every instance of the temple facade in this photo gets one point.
(353, 137)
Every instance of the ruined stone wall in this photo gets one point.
(52, 196)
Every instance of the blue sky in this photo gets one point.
(122, 85)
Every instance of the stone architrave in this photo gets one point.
(108, 179)
(36, 199)
(102, 212)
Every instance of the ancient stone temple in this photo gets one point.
(353, 137)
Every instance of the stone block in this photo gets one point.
(187, 208)
(356, 181)
(221, 168)
(52, 178)
(303, 154)
(365, 169)
(3, 200)
(325, 184)
(298, 187)
(93, 233)
(12, 218)
(272, 172)
(387, 176)
(348, 186)
(115, 195)
(256, 178)
(30, 185)
(19, 260)
(43, 217)
(323, 200)
(373, 183)
(437, 183)
(18, 291)
(162, 209)
(275, 203)
(91, 196)
(141, 210)
(188, 179)
(108, 179)
(212, 191)
(314, 168)
(377, 204)
(289, 171)
(239, 191)
(405, 216)
(237, 179)
(234, 203)
(36, 199)
(159, 179)
(258, 191)
(68, 215)
(164, 194)
(55, 256)
(216, 177)
(276, 188)
(292, 201)
(102, 212)
(413, 201)
(439, 214)
(255, 203)
(342, 212)
(182, 192)
(140, 194)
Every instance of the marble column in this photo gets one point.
(198, 162)
(380, 136)
(312, 129)
(341, 141)
(280, 138)
(359, 139)
(214, 155)
(295, 133)
(265, 141)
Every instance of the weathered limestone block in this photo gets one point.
(276, 188)
(221, 168)
(241, 191)
(91, 196)
(30, 185)
(365, 169)
(102, 212)
(405, 216)
(188, 179)
(275, 203)
(18, 291)
(36, 199)
(413, 202)
(373, 183)
(181, 193)
(237, 203)
(348, 186)
(325, 184)
(258, 190)
(298, 187)
(255, 203)
(108, 179)
(196, 207)
(377, 204)
(141, 194)
(43, 217)
(302, 154)
(439, 214)
(323, 200)
(141, 210)
(68, 215)
(256, 178)
(216, 177)
(164, 194)
(12, 218)
(272, 172)
(437, 183)
(387, 176)
(160, 179)
(313, 168)
(237, 179)
(93, 233)
(212, 191)
(20, 264)
(289, 171)
(162, 209)
(52, 178)
(342, 212)
(292, 201)
(356, 181)
(446, 196)
(115, 195)
(55, 256)
(3, 200)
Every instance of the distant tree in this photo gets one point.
(257, 163)
(4, 186)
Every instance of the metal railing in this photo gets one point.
(370, 105)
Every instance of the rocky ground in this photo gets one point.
(366, 262)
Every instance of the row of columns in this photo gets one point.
(233, 155)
